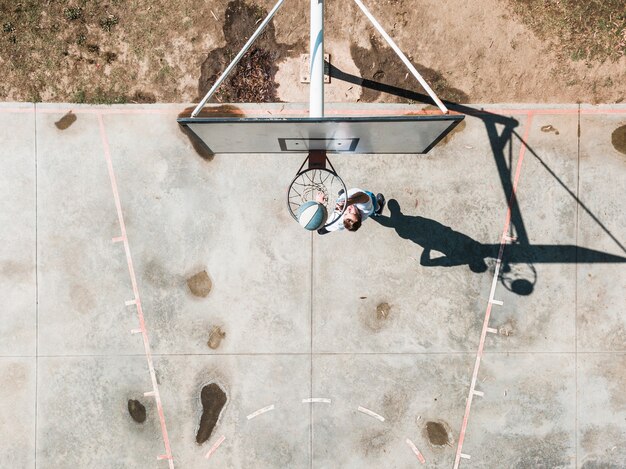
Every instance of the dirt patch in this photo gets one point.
(549, 128)
(438, 433)
(618, 139)
(215, 337)
(253, 79)
(200, 284)
(375, 319)
(213, 401)
(65, 121)
(382, 311)
(375, 443)
(143, 97)
(137, 411)
(508, 328)
(381, 70)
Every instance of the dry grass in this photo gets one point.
(593, 30)
(99, 51)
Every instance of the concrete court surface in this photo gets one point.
(105, 221)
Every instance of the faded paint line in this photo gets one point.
(215, 446)
(416, 451)
(322, 400)
(256, 413)
(371, 413)
(496, 274)
(131, 271)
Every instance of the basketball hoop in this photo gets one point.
(317, 178)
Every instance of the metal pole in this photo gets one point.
(241, 53)
(403, 57)
(316, 90)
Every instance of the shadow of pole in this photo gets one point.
(458, 248)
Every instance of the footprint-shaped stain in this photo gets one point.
(213, 401)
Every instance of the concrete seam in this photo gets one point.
(311, 358)
(576, 296)
(36, 285)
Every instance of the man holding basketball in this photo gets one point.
(360, 205)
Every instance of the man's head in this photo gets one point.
(352, 218)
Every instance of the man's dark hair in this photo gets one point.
(351, 225)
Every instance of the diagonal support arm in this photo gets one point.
(403, 57)
(237, 58)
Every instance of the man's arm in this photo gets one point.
(358, 198)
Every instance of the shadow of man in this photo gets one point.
(457, 248)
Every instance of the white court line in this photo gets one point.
(416, 451)
(371, 413)
(465, 456)
(163, 456)
(119, 239)
(149, 394)
(214, 447)
(136, 331)
(256, 413)
(496, 302)
(323, 400)
(478, 393)
(492, 330)
(130, 302)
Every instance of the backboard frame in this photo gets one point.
(318, 124)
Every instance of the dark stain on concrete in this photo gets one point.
(618, 139)
(382, 311)
(379, 63)
(223, 110)
(200, 147)
(200, 284)
(375, 443)
(438, 433)
(65, 121)
(457, 130)
(213, 401)
(549, 128)
(253, 79)
(375, 319)
(137, 411)
(215, 337)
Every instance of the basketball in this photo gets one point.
(312, 215)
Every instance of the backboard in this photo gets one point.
(406, 134)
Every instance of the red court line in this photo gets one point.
(133, 280)
(483, 334)
(298, 112)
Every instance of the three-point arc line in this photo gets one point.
(256, 413)
(371, 413)
(505, 238)
(136, 301)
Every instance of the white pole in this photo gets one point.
(403, 57)
(316, 90)
(238, 57)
